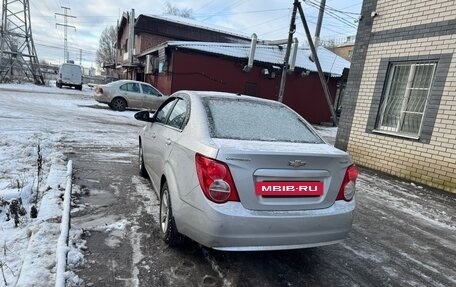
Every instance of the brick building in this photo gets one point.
(153, 30)
(399, 109)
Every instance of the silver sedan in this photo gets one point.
(241, 173)
(123, 94)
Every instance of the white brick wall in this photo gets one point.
(403, 13)
(433, 163)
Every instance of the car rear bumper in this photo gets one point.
(231, 227)
(101, 99)
(69, 83)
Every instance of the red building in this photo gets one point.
(176, 66)
(175, 54)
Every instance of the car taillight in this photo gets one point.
(99, 91)
(215, 180)
(347, 190)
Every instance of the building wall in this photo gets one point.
(161, 81)
(344, 51)
(147, 41)
(402, 31)
(120, 49)
(183, 32)
(194, 71)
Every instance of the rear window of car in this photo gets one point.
(130, 87)
(248, 119)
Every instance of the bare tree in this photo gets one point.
(182, 12)
(106, 53)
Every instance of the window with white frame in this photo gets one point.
(405, 97)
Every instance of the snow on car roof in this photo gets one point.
(216, 94)
(329, 61)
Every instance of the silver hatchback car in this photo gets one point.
(240, 173)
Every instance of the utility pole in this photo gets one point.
(17, 50)
(80, 57)
(318, 28)
(317, 63)
(297, 6)
(288, 51)
(65, 34)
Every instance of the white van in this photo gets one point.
(70, 75)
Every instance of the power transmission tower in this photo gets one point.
(17, 51)
(65, 34)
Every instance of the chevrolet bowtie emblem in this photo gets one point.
(296, 163)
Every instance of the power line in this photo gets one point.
(348, 14)
(206, 5)
(329, 12)
(267, 21)
(49, 45)
(332, 14)
(240, 13)
(230, 6)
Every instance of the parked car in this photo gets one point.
(70, 75)
(240, 173)
(123, 94)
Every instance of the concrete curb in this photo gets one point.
(62, 245)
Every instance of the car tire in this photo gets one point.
(79, 87)
(142, 169)
(118, 104)
(170, 235)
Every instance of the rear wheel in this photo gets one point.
(118, 104)
(167, 225)
(79, 87)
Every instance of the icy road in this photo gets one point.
(403, 234)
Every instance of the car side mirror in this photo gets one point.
(144, 116)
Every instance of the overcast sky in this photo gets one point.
(269, 19)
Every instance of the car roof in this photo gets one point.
(207, 94)
(121, 82)
(129, 81)
(70, 64)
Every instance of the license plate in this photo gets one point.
(285, 188)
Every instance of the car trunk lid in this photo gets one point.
(280, 166)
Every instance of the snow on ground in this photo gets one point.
(328, 133)
(27, 252)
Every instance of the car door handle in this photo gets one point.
(168, 141)
(154, 136)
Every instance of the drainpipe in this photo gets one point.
(251, 53)
(294, 53)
